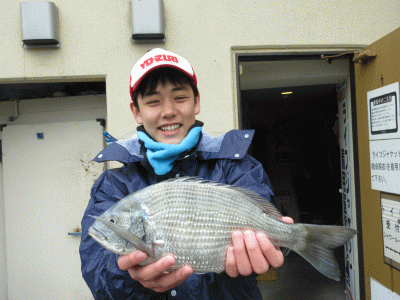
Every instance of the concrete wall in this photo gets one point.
(3, 256)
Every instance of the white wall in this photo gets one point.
(3, 256)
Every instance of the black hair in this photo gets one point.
(163, 75)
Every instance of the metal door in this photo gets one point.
(48, 173)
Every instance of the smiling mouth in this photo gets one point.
(170, 127)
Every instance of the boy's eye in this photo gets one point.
(152, 102)
(181, 98)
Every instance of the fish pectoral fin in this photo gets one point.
(128, 236)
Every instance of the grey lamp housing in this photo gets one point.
(147, 21)
(39, 24)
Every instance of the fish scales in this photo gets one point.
(194, 220)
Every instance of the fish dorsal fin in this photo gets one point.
(255, 198)
(260, 201)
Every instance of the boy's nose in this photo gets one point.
(169, 109)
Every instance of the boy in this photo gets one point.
(170, 143)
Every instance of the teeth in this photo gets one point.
(170, 128)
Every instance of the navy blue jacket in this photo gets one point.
(221, 159)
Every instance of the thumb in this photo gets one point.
(287, 220)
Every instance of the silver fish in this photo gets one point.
(193, 219)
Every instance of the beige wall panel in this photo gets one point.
(91, 35)
(12, 55)
(95, 40)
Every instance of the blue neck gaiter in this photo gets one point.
(162, 156)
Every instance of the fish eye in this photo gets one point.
(113, 220)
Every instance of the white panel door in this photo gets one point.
(46, 189)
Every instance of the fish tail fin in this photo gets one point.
(318, 244)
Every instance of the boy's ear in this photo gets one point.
(136, 114)
(197, 105)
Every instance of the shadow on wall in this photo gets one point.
(50, 90)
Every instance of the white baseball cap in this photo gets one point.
(157, 58)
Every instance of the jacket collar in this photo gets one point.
(231, 145)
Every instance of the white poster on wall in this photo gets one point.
(384, 136)
(390, 207)
(381, 292)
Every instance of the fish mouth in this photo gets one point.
(99, 237)
(96, 234)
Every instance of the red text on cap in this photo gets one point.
(158, 58)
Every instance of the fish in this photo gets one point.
(193, 219)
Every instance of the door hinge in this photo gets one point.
(364, 56)
(102, 122)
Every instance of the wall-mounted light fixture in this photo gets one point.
(39, 24)
(286, 94)
(147, 21)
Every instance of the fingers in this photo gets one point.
(164, 281)
(247, 255)
(152, 271)
(230, 265)
(273, 255)
(287, 220)
(258, 261)
(154, 276)
(252, 253)
(131, 260)
(243, 263)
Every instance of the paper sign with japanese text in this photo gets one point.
(383, 112)
(384, 136)
(390, 207)
(385, 165)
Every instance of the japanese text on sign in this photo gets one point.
(390, 206)
(383, 114)
(385, 165)
(384, 138)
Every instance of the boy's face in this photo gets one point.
(168, 112)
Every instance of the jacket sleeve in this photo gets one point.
(99, 265)
(249, 173)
